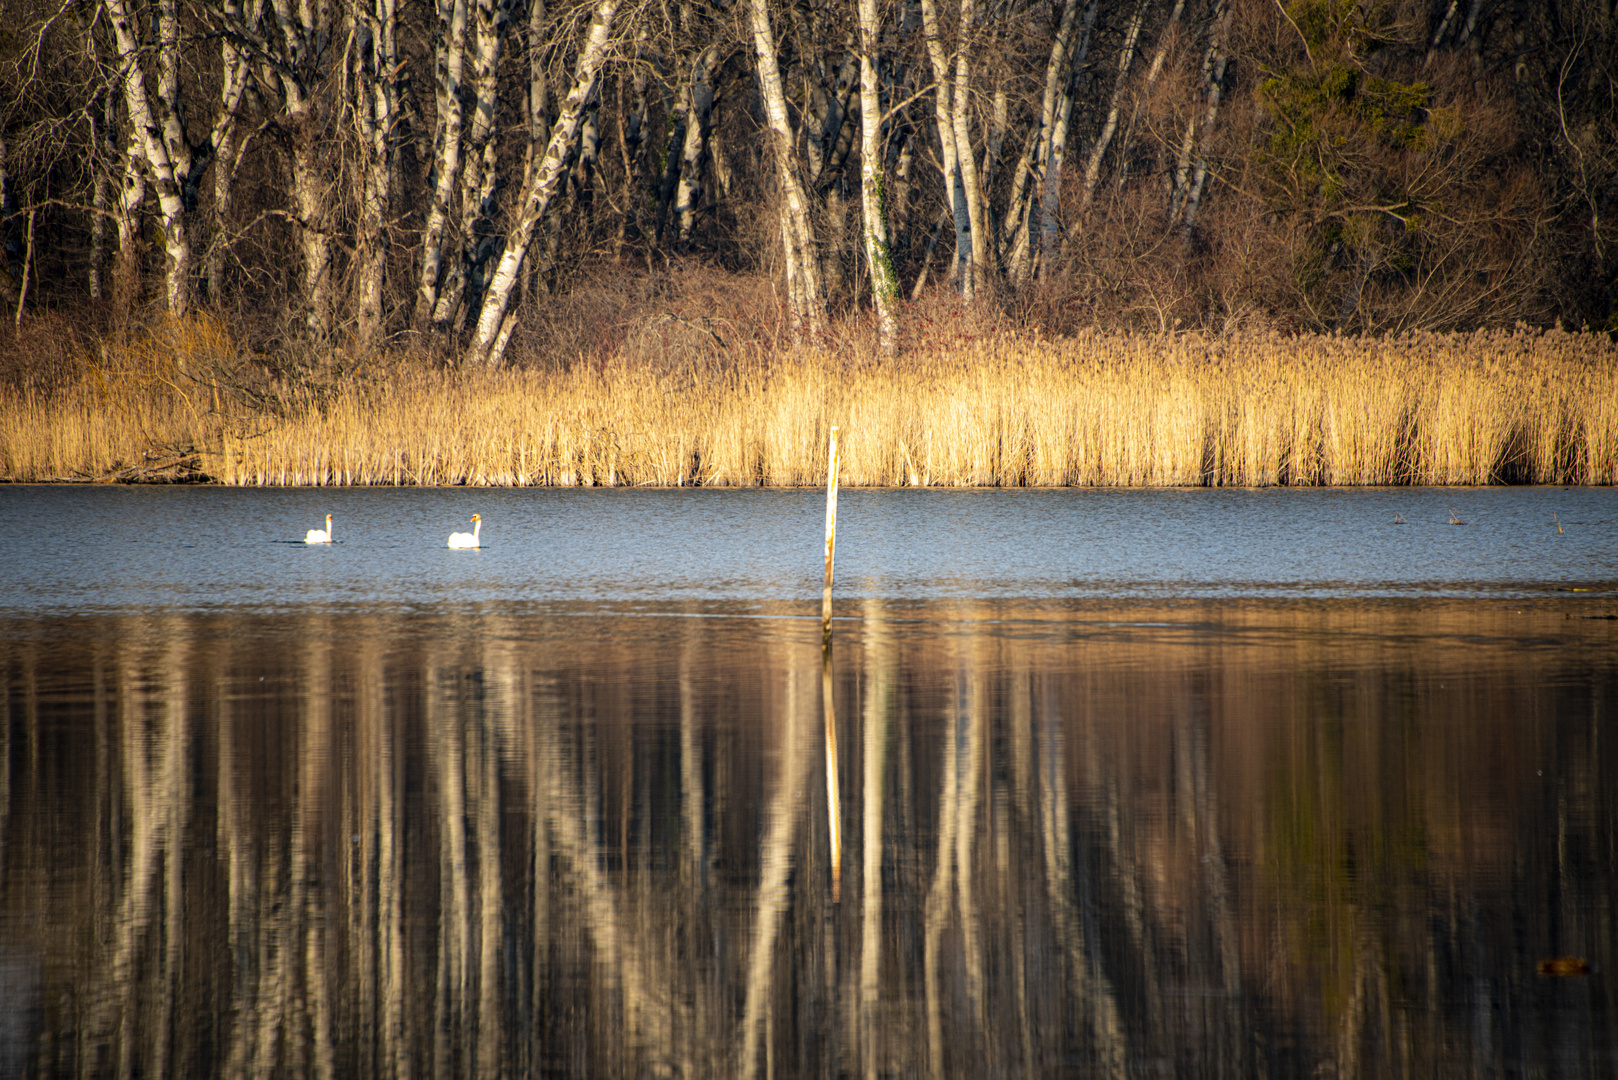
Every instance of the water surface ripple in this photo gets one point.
(75, 548)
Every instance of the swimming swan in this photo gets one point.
(317, 536)
(467, 540)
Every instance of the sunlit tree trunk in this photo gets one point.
(878, 256)
(948, 146)
(449, 58)
(1050, 190)
(306, 36)
(1036, 155)
(1214, 70)
(694, 149)
(478, 157)
(965, 159)
(167, 174)
(127, 209)
(495, 318)
(375, 108)
(806, 307)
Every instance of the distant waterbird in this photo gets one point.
(319, 536)
(465, 539)
(1558, 519)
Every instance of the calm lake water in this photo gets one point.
(1094, 784)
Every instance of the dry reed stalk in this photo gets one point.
(1098, 409)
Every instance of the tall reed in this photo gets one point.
(1098, 409)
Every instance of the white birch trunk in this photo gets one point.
(878, 256)
(1216, 83)
(694, 151)
(1036, 157)
(478, 156)
(944, 116)
(806, 310)
(155, 150)
(1050, 189)
(494, 320)
(965, 159)
(670, 177)
(309, 191)
(450, 57)
(375, 107)
(305, 34)
(131, 203)
(170, 105)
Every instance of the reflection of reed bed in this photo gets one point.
(1101, 409)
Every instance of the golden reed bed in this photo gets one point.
(1101, 409)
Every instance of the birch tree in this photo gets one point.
(1036, 154)
(694, 148)
(478, 158)
(878, 256)
(1189, 173)
(449, 58)
(944, 106)
(805, 303)
(305, 33)
(156, 153)
(495, 320)
(375, 62)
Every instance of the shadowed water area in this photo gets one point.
(1127, 784)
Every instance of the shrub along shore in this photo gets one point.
(1100, 409)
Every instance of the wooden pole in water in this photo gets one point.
(832, 796)
(831, 540)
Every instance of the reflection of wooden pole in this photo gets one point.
(831, 539)
(833, 818)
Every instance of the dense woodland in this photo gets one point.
(356, 174)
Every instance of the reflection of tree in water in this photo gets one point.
(392, 847)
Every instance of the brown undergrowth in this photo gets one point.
(682, 400)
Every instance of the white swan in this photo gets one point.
(468, 540)
(318, 536)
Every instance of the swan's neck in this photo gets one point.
(477, 527)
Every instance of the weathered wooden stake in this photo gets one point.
(831, 539)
